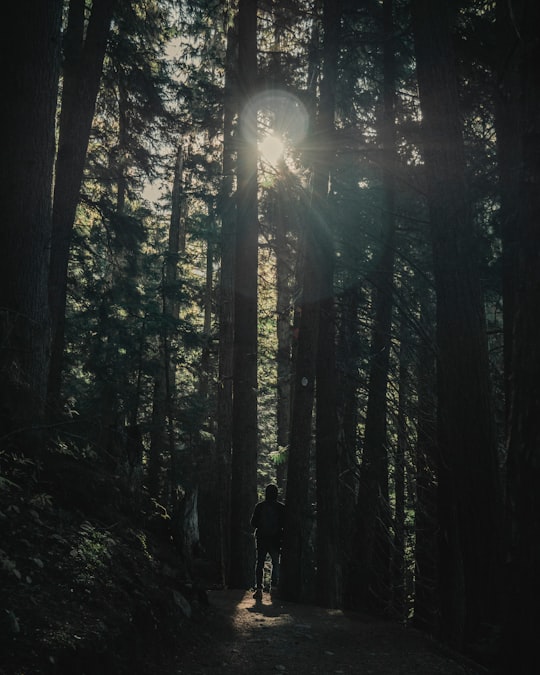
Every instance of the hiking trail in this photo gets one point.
(241, 635)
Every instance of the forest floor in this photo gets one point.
(91, 584)
(238, 634)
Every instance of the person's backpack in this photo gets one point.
(269, 520)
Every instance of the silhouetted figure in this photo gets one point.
(268, 519)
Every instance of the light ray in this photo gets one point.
(271, 148)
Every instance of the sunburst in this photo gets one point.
(271, 149)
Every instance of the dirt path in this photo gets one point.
(241, 635)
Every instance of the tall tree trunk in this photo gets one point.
(204, 374)
(507, 125)
(205, 467)
(162, 436)
(520, 653)
(226, 304)
(84, 50)
(171, 309)
(283, 327)
(469, 556)
(245, 428)
(399, 586)
(297, 559)
(373, 513)
(158, 434)
(348, 411)
(31, 78)
(425, 523)
(329, 577)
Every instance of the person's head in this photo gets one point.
(271, 492)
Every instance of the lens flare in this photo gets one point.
(271, 148)
(283, 112)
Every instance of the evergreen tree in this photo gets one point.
(469, 554)
(27, 173)
(245, 428)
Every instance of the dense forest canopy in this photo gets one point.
(291, 241)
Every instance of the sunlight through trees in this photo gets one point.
(293, 242)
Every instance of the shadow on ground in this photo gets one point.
(243, 635)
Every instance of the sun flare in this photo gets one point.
(271, 148)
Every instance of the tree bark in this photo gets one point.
(521, 619)
(329, 574)
(373, 510)
(469, 555)
(425, 523)
(283, 327)
(162, 437)
(399, 576)
(348, 412)
(31, 77)
(297, 560)
(297, 557)
(507, 126)
(84, 51)
(245, 428)
(226, 304)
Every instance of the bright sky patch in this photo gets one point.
(271, 148)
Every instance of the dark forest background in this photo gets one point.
(185, 318)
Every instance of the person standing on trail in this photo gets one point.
(268, 520)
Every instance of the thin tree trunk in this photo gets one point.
(205, 467)
(207, 321)
(84, 50)
(399, 587)
(171, 309)
(425, 554)
(162, 436)
(373, 512)
(283, 328)
(507, 125)
(297, 558)
(158, 434)
(245, 428)
(348, 411)
(329, 576)
(226, 306)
